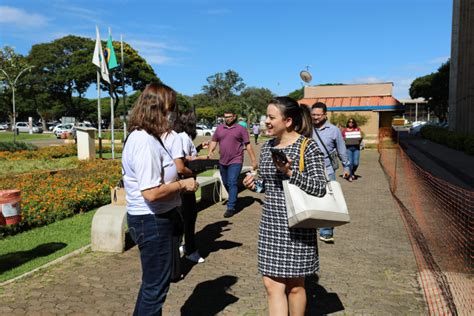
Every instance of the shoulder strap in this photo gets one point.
(304, 143)
(322, 143)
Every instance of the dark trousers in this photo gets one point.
(189, 211)
(153, 235)
(256, 138)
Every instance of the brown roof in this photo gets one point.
(343, 102)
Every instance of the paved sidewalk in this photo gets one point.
(370, 270)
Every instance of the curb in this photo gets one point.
(55, 261)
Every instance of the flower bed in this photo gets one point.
(41, 153)
(50, 196)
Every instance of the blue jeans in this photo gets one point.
(230, 174)
(328, 230)
(353, 153)
(152, 234)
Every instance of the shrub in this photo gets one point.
(15, 146)
(448, 138)
(41, 153)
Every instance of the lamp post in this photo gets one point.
(13, 85)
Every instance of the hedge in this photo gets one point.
(448, 138)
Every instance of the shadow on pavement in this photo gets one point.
(319, 301)
(210, 297)
(16, 259)
(207, 242)
(244, 202)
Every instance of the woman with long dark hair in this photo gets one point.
(353, 137)
(286, 255)
(186, 129)
(152, 192)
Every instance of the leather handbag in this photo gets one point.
(308, 211)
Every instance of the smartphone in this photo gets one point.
(278, 155)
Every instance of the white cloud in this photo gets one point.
(155, 52)
(21, 18)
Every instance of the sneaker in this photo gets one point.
(327, 238)
(195, 257)
(229, 213)
(182, 250)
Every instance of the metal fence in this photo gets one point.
(439, 220)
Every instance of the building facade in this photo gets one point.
(375, 101)
(461, 76)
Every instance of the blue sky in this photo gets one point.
(268, 42)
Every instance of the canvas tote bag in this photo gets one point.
(308, 211)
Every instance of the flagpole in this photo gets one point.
(112, 138)
(99, 115)
(123, 89)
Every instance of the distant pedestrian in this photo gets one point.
(232, 139)
(330, 141)
(153, 193)
(287, 255)
(256, 131)
(243, 123)
(353, 137)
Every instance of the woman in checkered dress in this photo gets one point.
(286, 256)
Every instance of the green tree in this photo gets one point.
(207, 113)
(254, 102)
(340, 119)
(434, 88)
(12, 64)
(63, 72)
(222, 86)
(298, 94)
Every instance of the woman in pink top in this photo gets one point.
(353, 137)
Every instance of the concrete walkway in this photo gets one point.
(370, 269)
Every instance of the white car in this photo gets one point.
(203, 130)
(416, 127)
(63, 128)
(24, 127)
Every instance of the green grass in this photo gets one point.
(8, 136)
(22, 166)
(108, 155)
(32, 249)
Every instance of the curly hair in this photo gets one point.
(150, 111)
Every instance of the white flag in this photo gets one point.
(98, 58)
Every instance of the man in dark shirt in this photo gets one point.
(232, 139)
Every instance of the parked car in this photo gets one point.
(84, 124)
(416, 127)
(4, 126)
(24, 127)
(52, 125)
(203, 130)
(63, 128)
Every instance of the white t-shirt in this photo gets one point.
(146, 164)
(188, 146)
(173, 144)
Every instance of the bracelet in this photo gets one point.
(180, 186)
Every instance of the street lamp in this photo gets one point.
(12, 86)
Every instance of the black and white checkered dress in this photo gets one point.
(285, 252)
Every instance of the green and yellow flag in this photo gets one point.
(109, 54)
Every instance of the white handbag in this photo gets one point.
(309, 211)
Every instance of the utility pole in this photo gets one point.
(13, 86)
